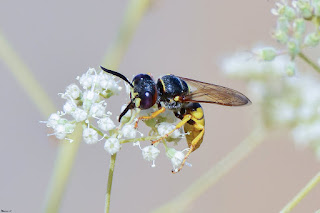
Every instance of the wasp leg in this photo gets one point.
(153, 115)
(185, 119)
(192, 148)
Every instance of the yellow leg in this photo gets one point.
(193, 145)
(153, 115)
(185, 119)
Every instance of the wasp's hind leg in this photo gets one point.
(193, 146)
(185, 119)
(153, 115)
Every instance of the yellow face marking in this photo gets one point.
(137, 102)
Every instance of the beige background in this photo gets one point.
(59, 40)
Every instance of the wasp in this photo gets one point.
(182, 96)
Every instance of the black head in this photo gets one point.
(145, 89)
(144, 93)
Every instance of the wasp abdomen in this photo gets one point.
(195, 126)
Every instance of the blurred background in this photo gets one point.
(59, 40)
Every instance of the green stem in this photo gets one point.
(312, 183)
(109, 185)
(202, 184)
(66, 156)
(308, 61)
(33, 89)
(149, 138)
(25, 78)
(63, 165)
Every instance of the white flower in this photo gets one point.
(304, 134)
(87, 79)
(60, 131)
(112, 145)
(90, 136)
(79, 115)
(164, 128)
(107, 82)
(89, 98)
(53, 120)
(176, 157)
(283, 112)
(128, 131)
(73, 91)
(106, 124)
(244, 65)
(150, 153)
(98, 109)
(126, 117)
(69, 107)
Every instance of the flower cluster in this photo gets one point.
(287, 98)
(284, 102)
(292, 24)
(86, 106)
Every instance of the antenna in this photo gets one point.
(118, 75)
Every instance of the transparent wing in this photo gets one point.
(210, 93)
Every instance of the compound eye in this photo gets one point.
(147, 100)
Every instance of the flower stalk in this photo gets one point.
(309, 61)
(110, 179)
(210, 178)
(310, 185)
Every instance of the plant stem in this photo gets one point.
(110, 178)
(135, 11)
(63, 165)
(210, 178)
(308, 61)
(25, 78)
(312, 183)
(42, 101)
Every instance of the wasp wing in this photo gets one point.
(210, 93)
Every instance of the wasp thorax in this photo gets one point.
(145, 88)
(171, 87)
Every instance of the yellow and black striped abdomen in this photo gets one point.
(195, 126)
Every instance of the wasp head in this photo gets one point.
(143, 94)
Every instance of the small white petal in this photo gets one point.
(164, 128)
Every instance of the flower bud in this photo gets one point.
(316, 7)
(291, 69)
(281, 36)
(267, 53)
(299, 27)
(312, 39)
(293, 47)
